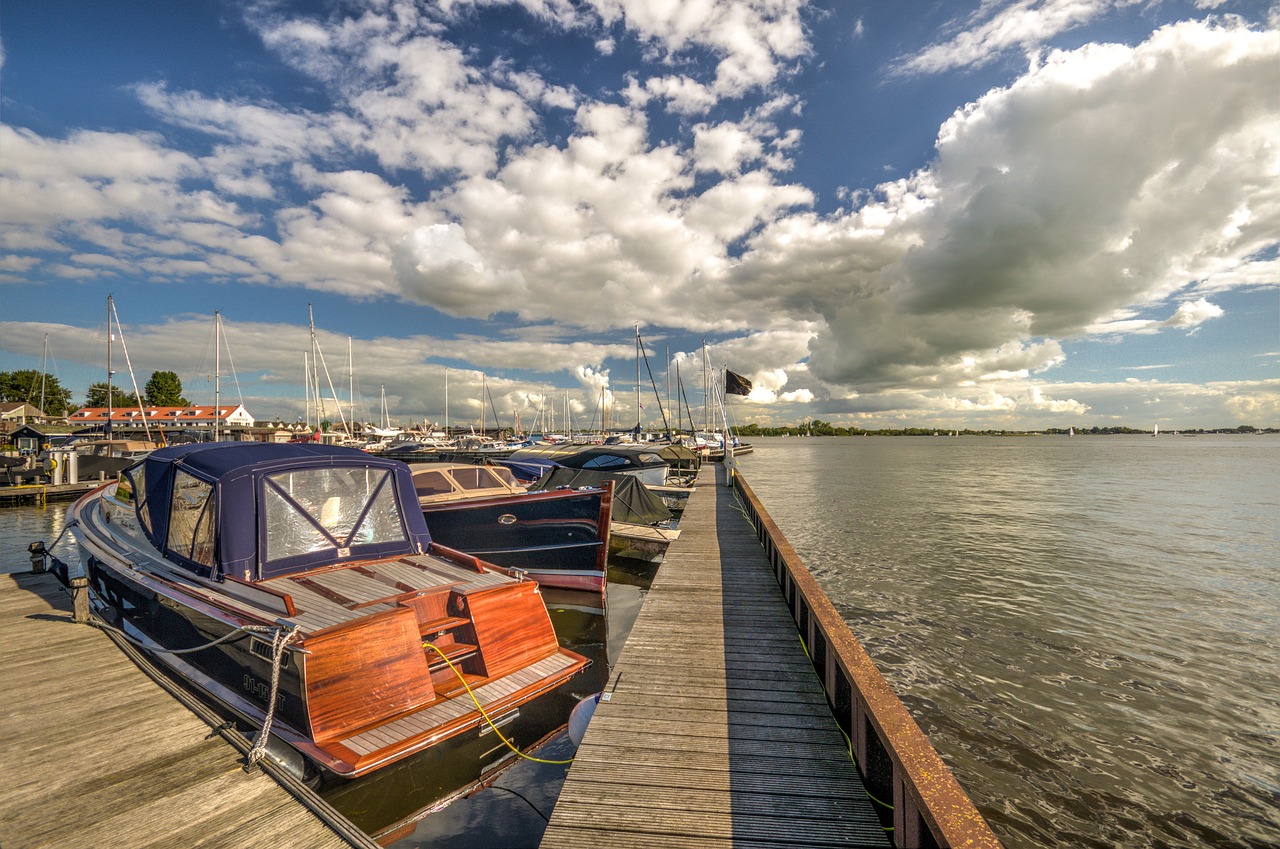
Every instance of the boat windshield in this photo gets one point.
(331, 508)
(478, 477)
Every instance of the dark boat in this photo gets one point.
(642, 525)
(302, 585)
(560, 538)
(655, 464)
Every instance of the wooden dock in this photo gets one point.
(716, 731)
(96, 754)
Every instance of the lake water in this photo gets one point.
(1087, 628)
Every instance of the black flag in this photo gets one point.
(736, 384)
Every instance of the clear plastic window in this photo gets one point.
(431, 483)
(476, 477)
(137, 479)
(334, 508)
(191, 519)
(605, 461)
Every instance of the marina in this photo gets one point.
(764, 727)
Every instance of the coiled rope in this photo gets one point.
(480, 708)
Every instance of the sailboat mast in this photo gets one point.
(110, 304)
(637, 380)
(44, 370)
(217, 371)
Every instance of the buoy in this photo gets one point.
(581, 716)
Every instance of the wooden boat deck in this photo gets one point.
(97, 755)
(716, 731)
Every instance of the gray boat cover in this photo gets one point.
(632, 500)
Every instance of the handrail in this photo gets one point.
(930, 808)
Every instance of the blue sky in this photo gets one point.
(987, 214)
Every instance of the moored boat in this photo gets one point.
(298, 586)
(560, 538)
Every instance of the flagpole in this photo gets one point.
(728, 441)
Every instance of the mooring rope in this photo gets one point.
(281, 639)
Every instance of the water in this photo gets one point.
(1086, 628)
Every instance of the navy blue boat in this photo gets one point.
(304, 590)
(560, 537)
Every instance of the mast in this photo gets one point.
(109, 371)
(637, 381)
(44, 370)
(314, 376)
(217, 371)
(306, 384)
(351, 390)
(446, 401)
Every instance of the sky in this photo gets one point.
(1005, 214)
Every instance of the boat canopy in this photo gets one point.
(624, 459)
(257, 510)
(632, 501)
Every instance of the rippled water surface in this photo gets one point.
(1086, 627)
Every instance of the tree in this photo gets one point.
(24, 386)
(97, 396)
(164, 389)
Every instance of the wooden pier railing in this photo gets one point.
(930, 808)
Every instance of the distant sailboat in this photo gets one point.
(1155, 430)
(1071, 431)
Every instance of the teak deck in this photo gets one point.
(97, 755)
(716, 731)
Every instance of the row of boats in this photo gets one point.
(359, 610)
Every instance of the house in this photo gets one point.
(16, 411)
(27, 440)
(165, 417)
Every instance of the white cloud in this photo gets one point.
(1109, 178)
(994, 29)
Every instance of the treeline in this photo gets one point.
(817, 427)
(27, 386)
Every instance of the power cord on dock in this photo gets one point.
(849, 745)
(480, 708)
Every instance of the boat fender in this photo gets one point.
(580, 717)
(288, 758)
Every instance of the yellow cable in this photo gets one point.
(848, 740)
(470, 693)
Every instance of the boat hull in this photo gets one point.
(560, 538)
(356, 691)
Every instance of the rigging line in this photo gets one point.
(235, 377)
(137, 395)
(665, 425)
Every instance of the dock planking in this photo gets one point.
(716, 731)
(98, 755)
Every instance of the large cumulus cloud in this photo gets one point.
(1106, 178)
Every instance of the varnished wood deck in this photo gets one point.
(716, 732)
(96, 754)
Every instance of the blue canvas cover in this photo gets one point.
(257, 510)
(532, 463)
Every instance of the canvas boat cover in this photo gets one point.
(259, 510)
(632, 500)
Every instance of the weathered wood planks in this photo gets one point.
(716, 731)
(97, 755)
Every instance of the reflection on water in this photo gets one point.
(510, 807)
(1085, 628)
